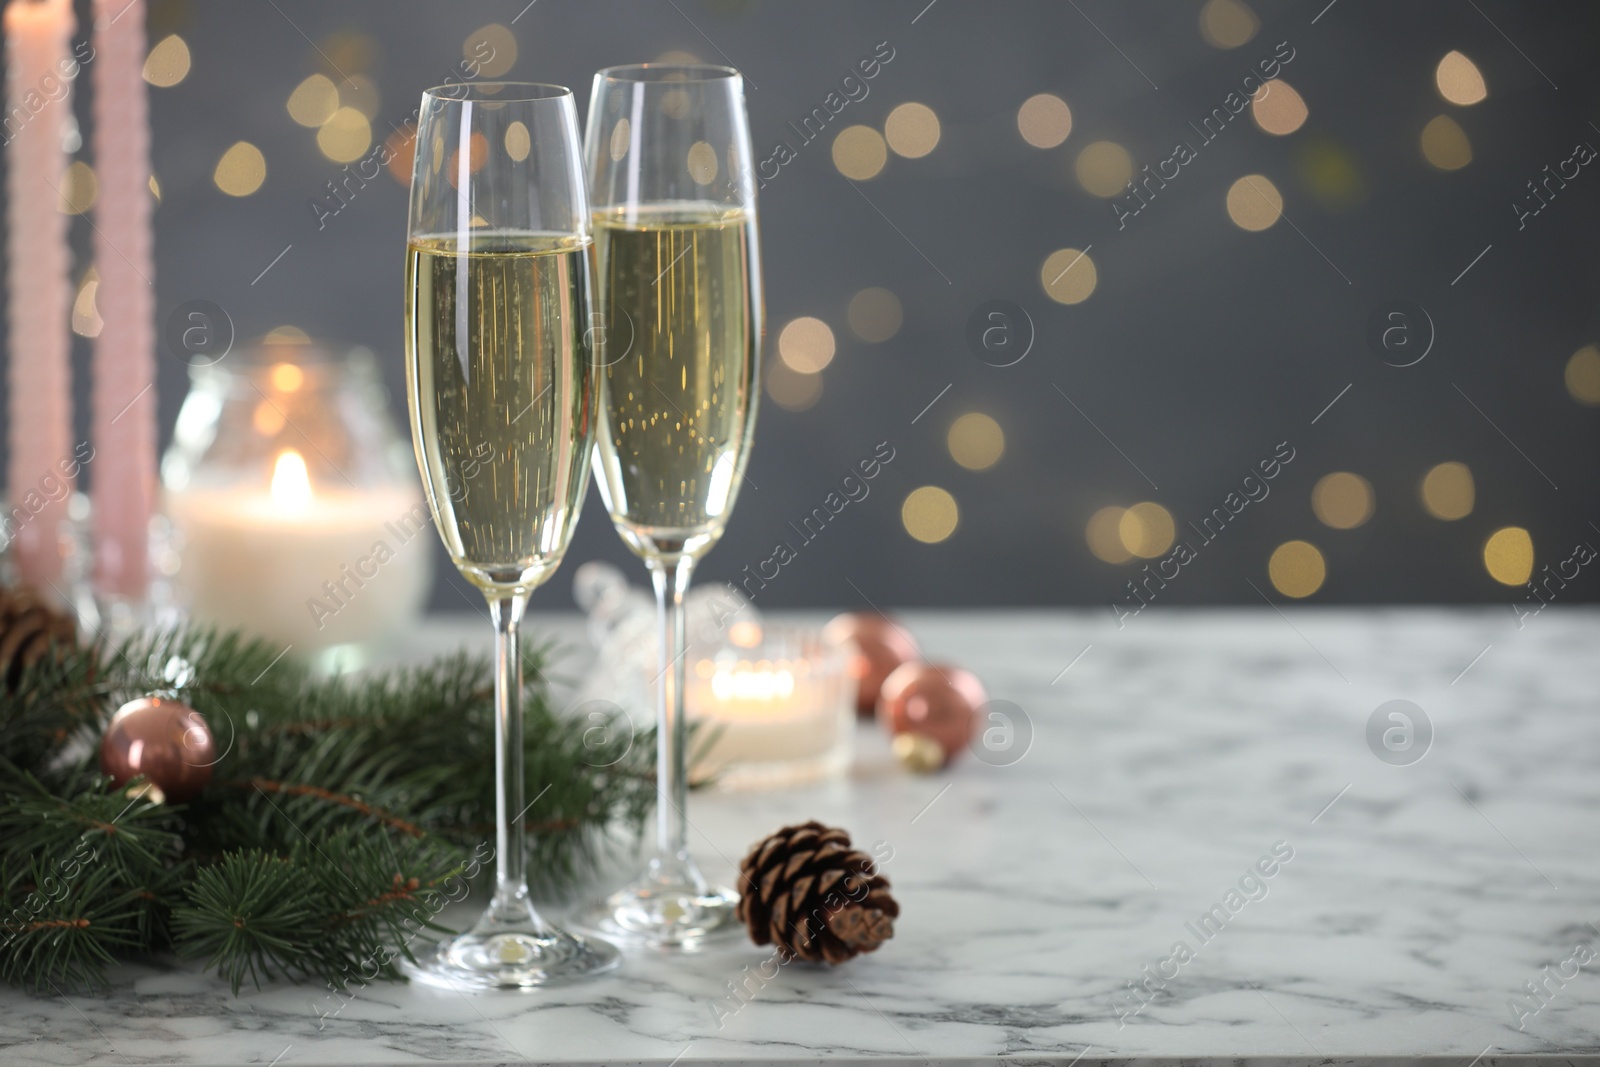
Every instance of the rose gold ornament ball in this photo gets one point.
(167, 742)
(876, 645)
(935, 700)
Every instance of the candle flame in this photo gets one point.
(745, 634)
(291, 485)
(752, 685)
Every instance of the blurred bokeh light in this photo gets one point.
(1044, 120)
(930, 514)
(1297, 569)
(1448, 491)
(1508, 555)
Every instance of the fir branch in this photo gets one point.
(341, 818)
(133, 834)
(56, 699)
(60, 933)
(250, 913)
(305, 915)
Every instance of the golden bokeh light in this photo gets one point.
(518, 141)
(1277, 108)
(241, 170)
(402, 146)
(1459, 80)
(1254, 203)
(859, 152)
(1227, 23)
(678, 58)
(168, 62)
(493, 48)
(1044, 120)
(477, 156)
(875, 314)
(313, 101)
(361, 92)
(267, 418)
(1146, 530)
(976, 441)
(621, 134)
(930, 514)
(1448, 491)
(1445, 144)
(806, 345)
(155, 188)
(86, 321)
(912, 130)
(287, 377)
(1508, 555)
(1583, 376)
(790, 389)
(1068, 276)
(1342, 500)
(1297, 569)
(1103, 532)
(675, 103)
(1104, 168)
(79, 189)
(346, 136)
(746, 633)
(702, 163)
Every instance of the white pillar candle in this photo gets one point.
(303, 566)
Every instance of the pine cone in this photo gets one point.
(28, 629)
(805, 889)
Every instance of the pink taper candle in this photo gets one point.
(38, 106)
(124, 398)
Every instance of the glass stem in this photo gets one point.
(511, 884)
(671, 581)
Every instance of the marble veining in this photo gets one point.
(1166, 763)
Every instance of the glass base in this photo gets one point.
(519, 951)
(669, 906)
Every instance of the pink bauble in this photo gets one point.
(167, 742)
(935, 700)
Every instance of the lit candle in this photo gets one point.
(39, 69)
(780, 713)
(303, 566)
(124, 402)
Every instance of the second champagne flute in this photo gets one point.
(679, 296)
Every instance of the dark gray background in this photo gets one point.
(1202, 347)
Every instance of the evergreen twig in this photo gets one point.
(342, 814)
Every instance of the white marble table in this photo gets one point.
(1168, 760)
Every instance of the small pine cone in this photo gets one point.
(806, 890)
(28, 629)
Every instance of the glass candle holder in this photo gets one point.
(771, 708)
(294, 502)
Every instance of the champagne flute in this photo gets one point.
(501, 384)
(668, 154)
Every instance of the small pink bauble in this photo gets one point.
(167, 742)
(935, 700)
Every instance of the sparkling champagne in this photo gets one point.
(500, 377)
(679, 376)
